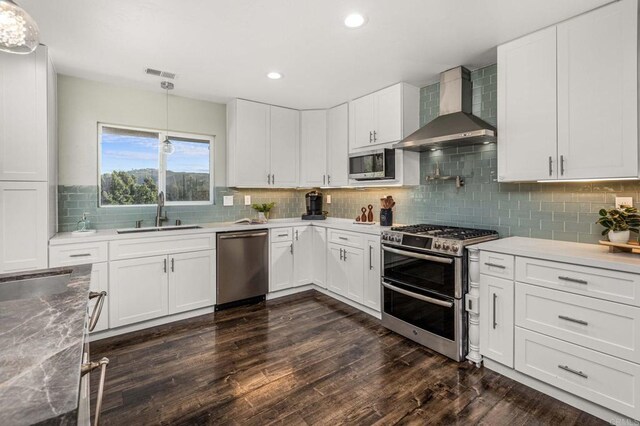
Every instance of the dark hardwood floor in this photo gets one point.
(304, 359)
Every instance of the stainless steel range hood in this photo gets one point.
(455, 126)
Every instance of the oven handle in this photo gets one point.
(418, 255)
(418, 296)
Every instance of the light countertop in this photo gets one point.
(594, 255)
(111, 234)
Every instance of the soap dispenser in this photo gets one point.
(83, 224)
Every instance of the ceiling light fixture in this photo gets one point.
(167, 146)
(18, 31)
(274, 75)
(354, 20)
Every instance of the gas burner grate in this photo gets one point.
(441, 231)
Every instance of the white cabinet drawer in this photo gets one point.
(597, 324)
(346, 238)
(601, 283)
(78, 254)
(278, 235)
(496, 264)
(145, 247)
(599, 378)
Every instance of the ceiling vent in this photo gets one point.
(159, 73)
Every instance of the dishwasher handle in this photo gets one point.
(243, 235)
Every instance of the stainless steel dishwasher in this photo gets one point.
(243, 267)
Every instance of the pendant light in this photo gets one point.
(167, 146)
(18, 31)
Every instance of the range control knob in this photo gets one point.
(398, 239)
(455, 247)
(445, 246)
(437, 245)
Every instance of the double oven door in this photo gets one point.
(422, 299)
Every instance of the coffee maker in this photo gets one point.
(313, 201)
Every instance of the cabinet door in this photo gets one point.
(496, 319)
(23, 226)
(302, 255)
(100, 282)
(388, 115)
(251, 150)
(313, 146)
(354, 264)
(23, 116)
(598, 93)
(363, 117)
(527, 114)
(338, 146)
(281, 266)
(371, 294)
(192, 281)
(138, 290)
(319, 259)
(284, 140)
(337, 280)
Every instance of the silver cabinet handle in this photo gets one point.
(370, 258)
(571, 370)
(375, 137)
(89, 367)
(495, 322)
(573, 280)
(344, 238)
(273, 179)
(495, 265)
(328, 179)
(173, 264)
(417, 296)
(233, 236)
(283, 235)
(577, 321)
(324, 179)
(418, 255)
(296, 235)
(291, 248)
(344, 255)
(550, 166)
(97, 309)
(164, 267)
(340, 254)
(562, 165)
(80, 255)
(370, 137)
(269, 179)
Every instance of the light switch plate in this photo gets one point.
(328, 199)
(227, 200)
(247, 200)
(624, 201)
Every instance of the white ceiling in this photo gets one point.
(223, 49)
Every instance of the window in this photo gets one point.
(133, 167)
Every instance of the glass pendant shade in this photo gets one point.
(167, 147)
(18, 31)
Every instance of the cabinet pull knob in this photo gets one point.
(495, 265)
(550, 166)
(571, 370)
(80, 255)
(495, 322)
(97, 309)
(89, 367)
(562, 165)
(573, 280)
(577, 321)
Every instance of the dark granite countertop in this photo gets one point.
(42, 333)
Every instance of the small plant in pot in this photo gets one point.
(263, 210)
(619, 223)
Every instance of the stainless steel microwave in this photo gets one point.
(373, 165)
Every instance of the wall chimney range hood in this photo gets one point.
(455, 126)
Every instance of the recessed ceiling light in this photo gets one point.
(274, 75)
(355, 20)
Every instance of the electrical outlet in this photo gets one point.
(247, 200)
(227, 200)
(328, 199)
(624, 201)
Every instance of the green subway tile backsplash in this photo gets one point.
(561, 211)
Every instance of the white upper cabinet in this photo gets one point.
(383, 117)
(598, 93)
(527, 115)
(568, 99)
(338, 146)
(248, 147)
(313, 148)
(285, 140)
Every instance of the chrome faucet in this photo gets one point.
(159, 217)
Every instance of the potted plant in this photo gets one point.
(263, 210)
(619, 223)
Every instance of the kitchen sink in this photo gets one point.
(34, 286)
(157, 229)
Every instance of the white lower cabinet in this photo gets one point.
(496, 326)
(281, 273)
(100, 282)
(371, 291)
(302, 255)
(336, 271)
(345, 272)
(138, 290)
(192, 280)
(319, 256)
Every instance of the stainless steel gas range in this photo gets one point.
(424, 280)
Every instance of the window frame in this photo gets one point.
(162, 164)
